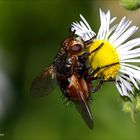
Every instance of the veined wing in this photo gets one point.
(44, 83)
(83, 108)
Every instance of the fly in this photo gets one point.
(70, 72)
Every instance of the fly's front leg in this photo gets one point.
(98, 86)
(95, 88)
(72, 62)
(100, 83)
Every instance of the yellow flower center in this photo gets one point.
(103, 59)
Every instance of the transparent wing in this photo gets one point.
(84, 110)
(44, 83)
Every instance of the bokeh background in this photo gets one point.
(30, 36)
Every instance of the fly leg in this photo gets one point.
(72, 62)
(99, 85)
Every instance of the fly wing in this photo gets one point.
(44, 83)
(84, 110)
(78, 91)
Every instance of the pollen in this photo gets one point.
(103, 59)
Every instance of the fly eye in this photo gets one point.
(76, 48)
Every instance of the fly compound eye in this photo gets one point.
(76, 48)
(77, 45)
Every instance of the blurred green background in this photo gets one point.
(30, 36)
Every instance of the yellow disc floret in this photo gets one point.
(103, 59)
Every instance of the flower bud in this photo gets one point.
(130, 4)
(127, 106)
(137, 108)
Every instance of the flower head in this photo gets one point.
(111, 55)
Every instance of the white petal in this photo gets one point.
(82, 29)
(124, 90)
(134, 82)
(110, 31)
(125, 56)
(112, 20)
(124, 76)
(130, 78)
(100, 34)
(119, 88)
(130, 44)
(131, 72)
(131, 60)
(127, 84)
(125, 36)
(86, 23)
(123, 25)
(107, 21)
(122, 22)
(131, 66)
(129, 52)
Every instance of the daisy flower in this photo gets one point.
(112, 56)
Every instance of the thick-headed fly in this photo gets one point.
(70, 72)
